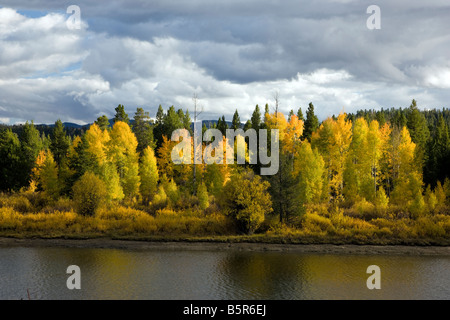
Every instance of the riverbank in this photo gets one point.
(239, 246)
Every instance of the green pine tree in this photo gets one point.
(121, 115)
(236, 122)
(311, 123)
(59, 144)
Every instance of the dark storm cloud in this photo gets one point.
(245, 41)
(234, 53)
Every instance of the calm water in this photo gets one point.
(169, 274)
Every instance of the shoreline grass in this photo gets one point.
(319, 225)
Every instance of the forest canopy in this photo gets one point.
(368, 170)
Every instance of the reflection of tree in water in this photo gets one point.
(103, 271)
(263, 275)
(284, 275)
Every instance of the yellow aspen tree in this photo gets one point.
(99, 148)
(46, 174)
(122, 148)
(375, 151)
(407, 192)
(149, 175)
(98, 140)
(358, 170)
(384, 173)
(294, 131)
(333, 139)
(310, 168)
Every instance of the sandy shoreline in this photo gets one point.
(239, 246)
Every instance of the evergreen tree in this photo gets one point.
(172, 121)
(10, 161)
(247, 125)
(59, 145)
(103, 122)
(311, 122)
(418, 129)
(143, 130)
(31, 144)
(121, 115)
(291, 113)
(300, 114)
(380, 118)
(266, 111)
(158, 130)
(256, 119)
(438, 164)
(187, 122)
(222, 125)
(236, 122)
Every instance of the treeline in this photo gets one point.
(367, 164)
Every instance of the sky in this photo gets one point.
(232, 54)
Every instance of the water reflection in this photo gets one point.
(169, 274)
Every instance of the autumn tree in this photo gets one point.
(283, 184)
(333, 139)
(89, 193)
(45, 173)
(407, 192)
(202, 195)
(215, 177)
(310, 169)
(122, 148)
(149, 175)
(246, 200)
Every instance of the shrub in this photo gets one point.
(202, 195)
(17, 202)
(314, 223)
(89, 193)
(61, 205)
(246, 200)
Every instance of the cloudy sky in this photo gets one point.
(233, 54)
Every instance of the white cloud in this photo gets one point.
(231, 61)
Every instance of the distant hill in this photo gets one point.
(73, 129)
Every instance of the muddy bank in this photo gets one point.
(241, 246)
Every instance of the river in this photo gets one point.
(110, 273)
